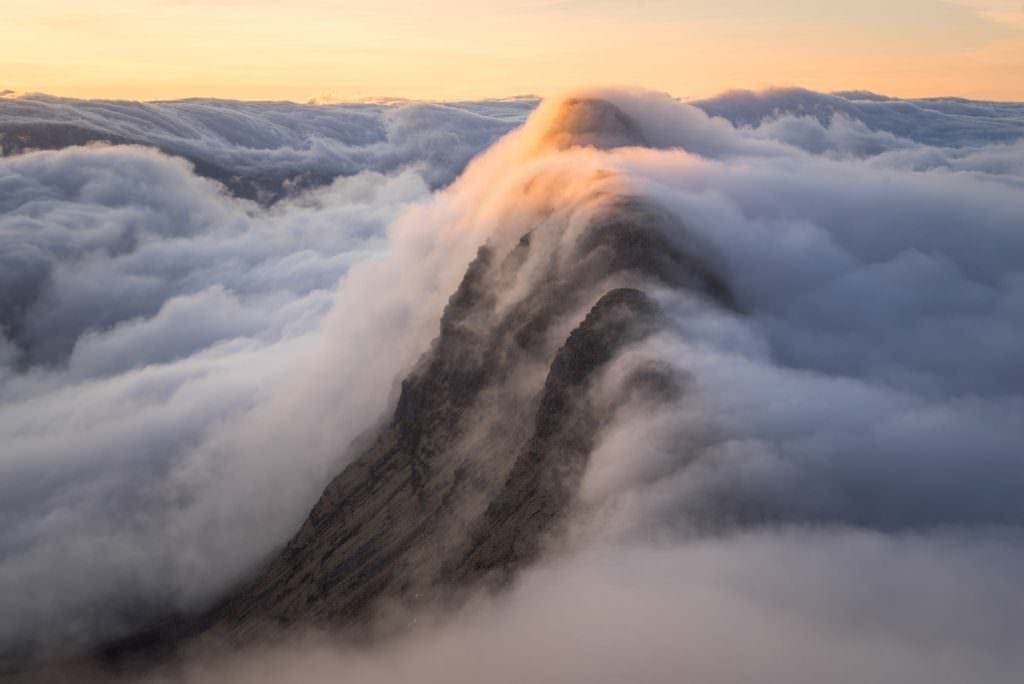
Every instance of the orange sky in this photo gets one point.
(444, 49)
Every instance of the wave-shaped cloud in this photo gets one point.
(187, 377)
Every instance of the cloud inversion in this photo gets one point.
(183, 371)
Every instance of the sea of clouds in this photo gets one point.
(836, 498)
(268, 150)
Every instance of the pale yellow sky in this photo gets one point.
(445, 49)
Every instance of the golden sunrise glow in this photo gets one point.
(262, 49)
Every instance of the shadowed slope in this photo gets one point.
(491, 432)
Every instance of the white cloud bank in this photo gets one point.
(182, 375)
(785, 606)
(268, 150)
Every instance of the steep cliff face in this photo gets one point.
(478, 467)
(546, 473)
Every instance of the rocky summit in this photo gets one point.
(478, 467)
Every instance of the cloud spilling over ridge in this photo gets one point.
(160, 377)
(869, 380)
(268, 150)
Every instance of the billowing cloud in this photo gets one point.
(184, 371)
(939, 122)
(145, 312)
(268, 150)
(780, 606)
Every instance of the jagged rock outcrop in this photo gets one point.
(479, 464)
(476, 473)
(545, 475)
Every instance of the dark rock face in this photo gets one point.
(545, 475)
(479, 466)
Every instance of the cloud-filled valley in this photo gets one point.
(811, 465)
